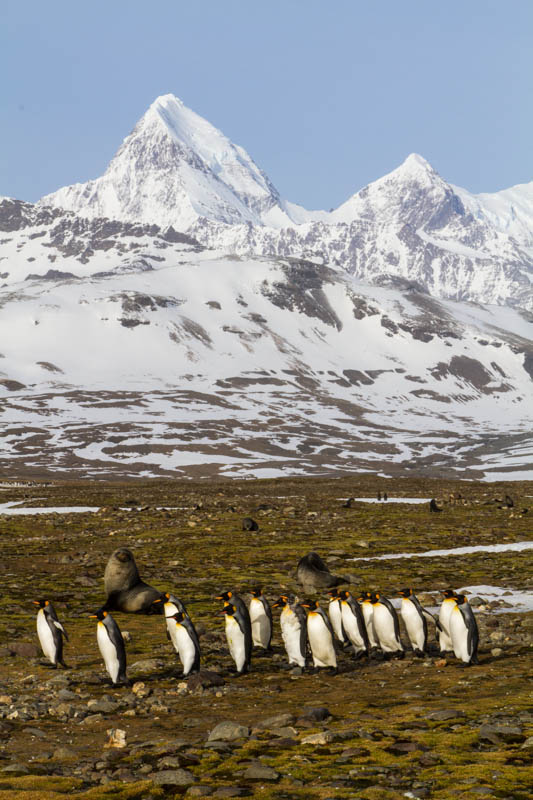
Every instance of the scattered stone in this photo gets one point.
(146, 665)
(288, 732)
(64, 754)
(173, 777)
(498, 734)
(325, 737)
(116, 738)
(228, 731)
(528, 744)
(204, 678)
(496, 651)
(141, 690)
(199, 790)
(103, 705)
(260, 773)
(444, 714)
(232, 791)
(16, 769)
(402, 748)
(440, 663)
(279, 721)
(316, 714)
(24, 649)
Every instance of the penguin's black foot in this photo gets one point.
(333, 670)
(47, 665)
(419, 653)
(400, 654)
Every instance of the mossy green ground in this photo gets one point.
(196, 548)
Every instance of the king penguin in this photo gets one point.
(353, 623)
(293, 624)
(237, 601)
(386, 626)
(185, 640)
(464, 631)
(171, 605)
(335, 616)
(239, 637)
(414, 619)
(320, 635)
(365, 598)
(50, 632)
(111, 646)
(261, 619)
(443, 627)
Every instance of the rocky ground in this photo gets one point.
(423, 728)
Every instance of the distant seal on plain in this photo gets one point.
(124, 588)
(313, 574)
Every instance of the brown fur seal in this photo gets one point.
(314, 575)
(124, 588)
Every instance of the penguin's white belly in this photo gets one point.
(351, 627)
(46, 637)
(185, 647)
(459, 635)
(108, 651)
(261, 628)
(235, 639)
(169, 611)
(320, 642)
(413, 624)
(445, 640)
(335, 617)
(384, 629)
(290, 633)
(368, 615)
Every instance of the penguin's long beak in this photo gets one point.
(36, 603)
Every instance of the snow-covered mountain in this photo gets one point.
(126, 349)
(175, 168)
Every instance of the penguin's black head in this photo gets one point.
(179, 616)
(342, 594)
(281, 602)
(41, 603)
(224, 596)
(374, 597)
(229, 610)
(448, 593)
(460, 599)
(405, 592)
(257, 592)
(310, 605)
(100, 615)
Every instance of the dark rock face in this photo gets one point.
(302, 290)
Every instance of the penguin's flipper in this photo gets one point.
(430, 616)
(61, 628)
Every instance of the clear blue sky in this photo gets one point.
(325, 96)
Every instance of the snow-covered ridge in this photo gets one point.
(128, 349)
(176, 169)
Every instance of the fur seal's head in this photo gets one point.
(121, 572)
